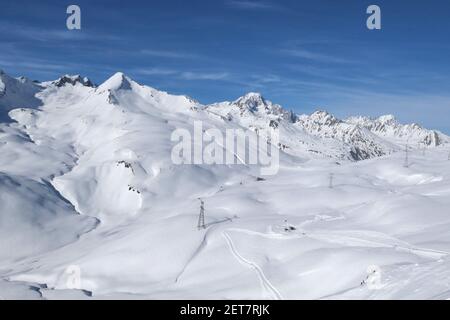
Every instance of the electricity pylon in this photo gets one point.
(330, 185)
(423, 146)
(201, 217)
(406, 164)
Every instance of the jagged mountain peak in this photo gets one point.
(251, 101)
(322, 117)
(388, 127)
(73, 80)
(252, 94)
(255, 103)
(388, 118)
(384, 120)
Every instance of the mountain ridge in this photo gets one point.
(354, 138)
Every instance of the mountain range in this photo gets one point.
(307, 136)
(87, 183)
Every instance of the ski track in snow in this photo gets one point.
(348, 240)
(265, 283)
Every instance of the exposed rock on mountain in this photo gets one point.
(73, 80)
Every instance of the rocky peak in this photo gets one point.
(389, 118)
(251, 101)
(323, 118)
(255, 103)
(73, 80)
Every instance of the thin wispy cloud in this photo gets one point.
(314, 56)
(251, 5)
(22, 62)
(255, 82)
(183, 75)
(156, 71)
(48, 35)
(169, 54)
(9, 60)
(38, 65)
(204, 76)
(326, 73)
(270, 78)
(44, 35)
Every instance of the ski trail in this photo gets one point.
(265, 283)
(430, 253)
(352, 240)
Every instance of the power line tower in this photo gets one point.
(331, 177)
(424, 148)
(406, 164)
(201, 217)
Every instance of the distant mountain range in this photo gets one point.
(308, 136)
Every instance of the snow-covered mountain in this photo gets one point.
(16, 93)
(73, 80)
(87, 181)
(362, 143)
(389, 128)
(317, 135)
(321, 133)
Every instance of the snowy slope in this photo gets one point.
(16, 93)
(87, 183)
(35, 219)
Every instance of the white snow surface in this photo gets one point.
(87, 181)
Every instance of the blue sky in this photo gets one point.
(303, 55)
